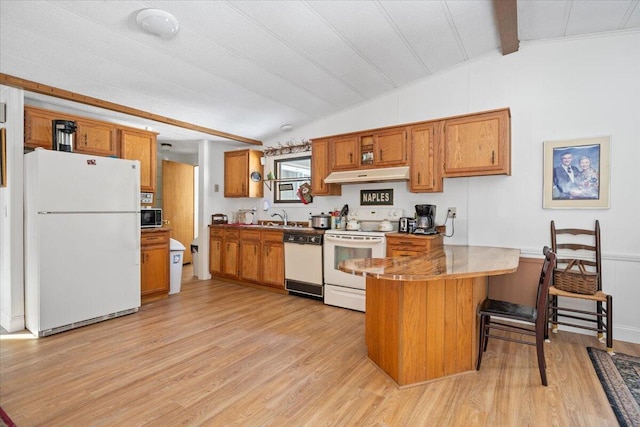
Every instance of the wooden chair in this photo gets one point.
(578, 275)
(523, 313)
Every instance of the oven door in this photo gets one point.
(339, 248)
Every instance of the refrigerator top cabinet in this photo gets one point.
(82, 239)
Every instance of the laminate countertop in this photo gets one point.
(443, 262)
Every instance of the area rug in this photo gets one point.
(620, 377)
(5, 420)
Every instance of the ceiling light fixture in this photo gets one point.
(286, 128)
(165, 146)
(158, 22)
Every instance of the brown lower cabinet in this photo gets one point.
(252, 255)
(272, 259)
(154, 264)
(402, 244)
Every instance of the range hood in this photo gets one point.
(369, 175)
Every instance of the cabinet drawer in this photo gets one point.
(250, 234)
(216, 231)
(232, 234)
(409, 244)
(272, 236)
(154, 238)
(399, 252)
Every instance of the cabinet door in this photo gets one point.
(344, 153)
(236, 173)
(320, 170)
(390, 147)
(215, 255)
(154, 264)
(38, 128)
(478, 144)
(230, 258)
(425, 172)
(154, 272)
(137, 145)
(273, 260)
(250, 260)
(95, 138)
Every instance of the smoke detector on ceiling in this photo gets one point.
(165, 146)
(286, 127)
(158, 22)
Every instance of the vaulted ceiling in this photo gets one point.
(248, 67)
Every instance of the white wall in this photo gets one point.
(556, 90)
(11, 213)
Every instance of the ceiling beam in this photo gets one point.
(507, 18)
(30, 86)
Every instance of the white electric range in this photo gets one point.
(348, 290)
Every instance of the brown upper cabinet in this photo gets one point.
(469, 145)
(478, 144)
(38, 127)
(344, 152)
(94, 137)
(384, 148)
(425, 171)
(91, 137)
(243, 174)
(320, 170)
(141, 145)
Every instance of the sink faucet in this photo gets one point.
(283, 217)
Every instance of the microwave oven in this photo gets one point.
(150, 217)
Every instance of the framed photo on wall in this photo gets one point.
(576, 173)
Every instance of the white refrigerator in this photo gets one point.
(82, 239)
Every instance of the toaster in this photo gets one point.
(219, 219)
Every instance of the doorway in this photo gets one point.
(178, 202)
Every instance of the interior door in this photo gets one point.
(177, 203)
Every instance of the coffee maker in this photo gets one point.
(425, 219)
(63, 133)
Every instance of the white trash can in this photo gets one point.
(194, 256)
(176, 253)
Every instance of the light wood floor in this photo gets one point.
(221, 354)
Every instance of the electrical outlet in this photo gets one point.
(451, 212)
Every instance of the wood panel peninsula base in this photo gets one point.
(420, 320)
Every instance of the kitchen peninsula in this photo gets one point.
(420, 319)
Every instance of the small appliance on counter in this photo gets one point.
(150, 217)
(425, 219)
(219, 219)
(246, 216)
(321, 222)
(406, 225)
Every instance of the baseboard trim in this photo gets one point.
(12, 324)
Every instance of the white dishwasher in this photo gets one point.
(303, 263)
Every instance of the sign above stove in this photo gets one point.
(376, 197)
